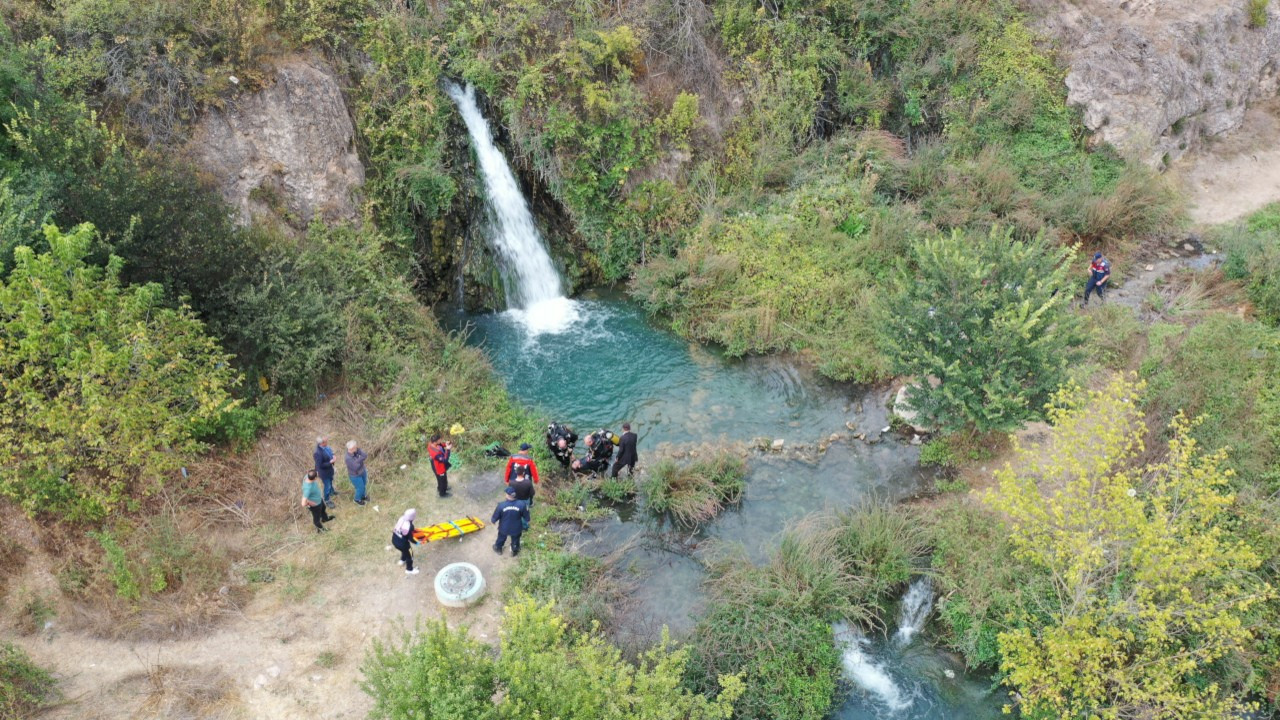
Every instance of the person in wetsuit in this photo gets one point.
(560, 441)
(599, 453)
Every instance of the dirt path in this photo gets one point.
(1238, 174)
(295, 651)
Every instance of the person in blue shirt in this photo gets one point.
(511, 516)
(324, 457)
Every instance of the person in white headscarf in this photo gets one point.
(402, 538)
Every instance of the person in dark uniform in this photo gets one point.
(511, 515)
(440, 464)
(402, 538)
(626, 452)
(523, 485)
(1099, 273)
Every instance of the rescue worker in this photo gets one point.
(439, 452)
(560, 441)
(599, 452)
(402, 538)
(521, 459)
(1099, 273)
(511, 516)
(523, 485)
(626, 452)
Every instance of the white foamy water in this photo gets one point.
(529, 277)
(916, 606)
(864, 672)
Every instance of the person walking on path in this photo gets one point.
(357, 471)
(1099, 273)
(439, 452)
(511, 515)
(626, 452)
(324, 459)
(313, 500)
(402, 538)
(521, 459)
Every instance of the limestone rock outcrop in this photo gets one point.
(287, 150)
(1155, 78)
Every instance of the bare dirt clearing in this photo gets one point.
(294, 649)
(1239, 173)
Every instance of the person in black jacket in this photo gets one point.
(626, 452)
(511, 515)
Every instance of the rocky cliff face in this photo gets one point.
(1157, 77)
(286, 151)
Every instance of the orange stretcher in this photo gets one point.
(446, 530)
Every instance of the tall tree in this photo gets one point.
(101, 382)
(983, 323)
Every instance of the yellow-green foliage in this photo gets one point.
(545, 669)
(1153, 589)
(1258, 13)
(102, 383)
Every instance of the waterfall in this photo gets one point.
(916, 606)
(529, 278)
(866, 673)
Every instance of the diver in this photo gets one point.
(600, 446)
(561, 440)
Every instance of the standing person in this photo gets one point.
(440, 464)
(626, 452)
(313, 500)
(324, 459)
(523, 485)
(511, 515)
(402, 538)
(560, 441)
(1099, 273)
(357, 471)
(521, 459)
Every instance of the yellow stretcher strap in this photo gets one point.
(446, 530)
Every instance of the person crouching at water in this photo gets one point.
(402, 538)
(313, 500)
(512, 516)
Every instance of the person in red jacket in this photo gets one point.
(439, 452)
(521, 459)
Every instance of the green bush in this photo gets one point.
(1258, 13)
(544, 669)
(882, 545)
(1224, 370)
(575, 583)
(25, 687)
(697, 492)
(1253, 258)
(988, 319)
(105, 384)
(982, 589)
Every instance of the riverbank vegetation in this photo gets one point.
(694, 493)
(769, 177)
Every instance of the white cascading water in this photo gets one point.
(532, 285)
(864, 672)
(916, 606)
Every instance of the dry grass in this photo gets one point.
(185, 692)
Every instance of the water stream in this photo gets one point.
(598, 360)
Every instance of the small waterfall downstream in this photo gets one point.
(916, 606)
(532, 285)
(865, 672)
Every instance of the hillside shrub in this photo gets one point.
(1258, 13)
(1156, 589)
(104, 383)
(25, 688)
(986, 319)
(442, 673)
(1253, 258)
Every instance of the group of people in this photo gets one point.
(600, 446)
(317, 486)
(511, 516)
